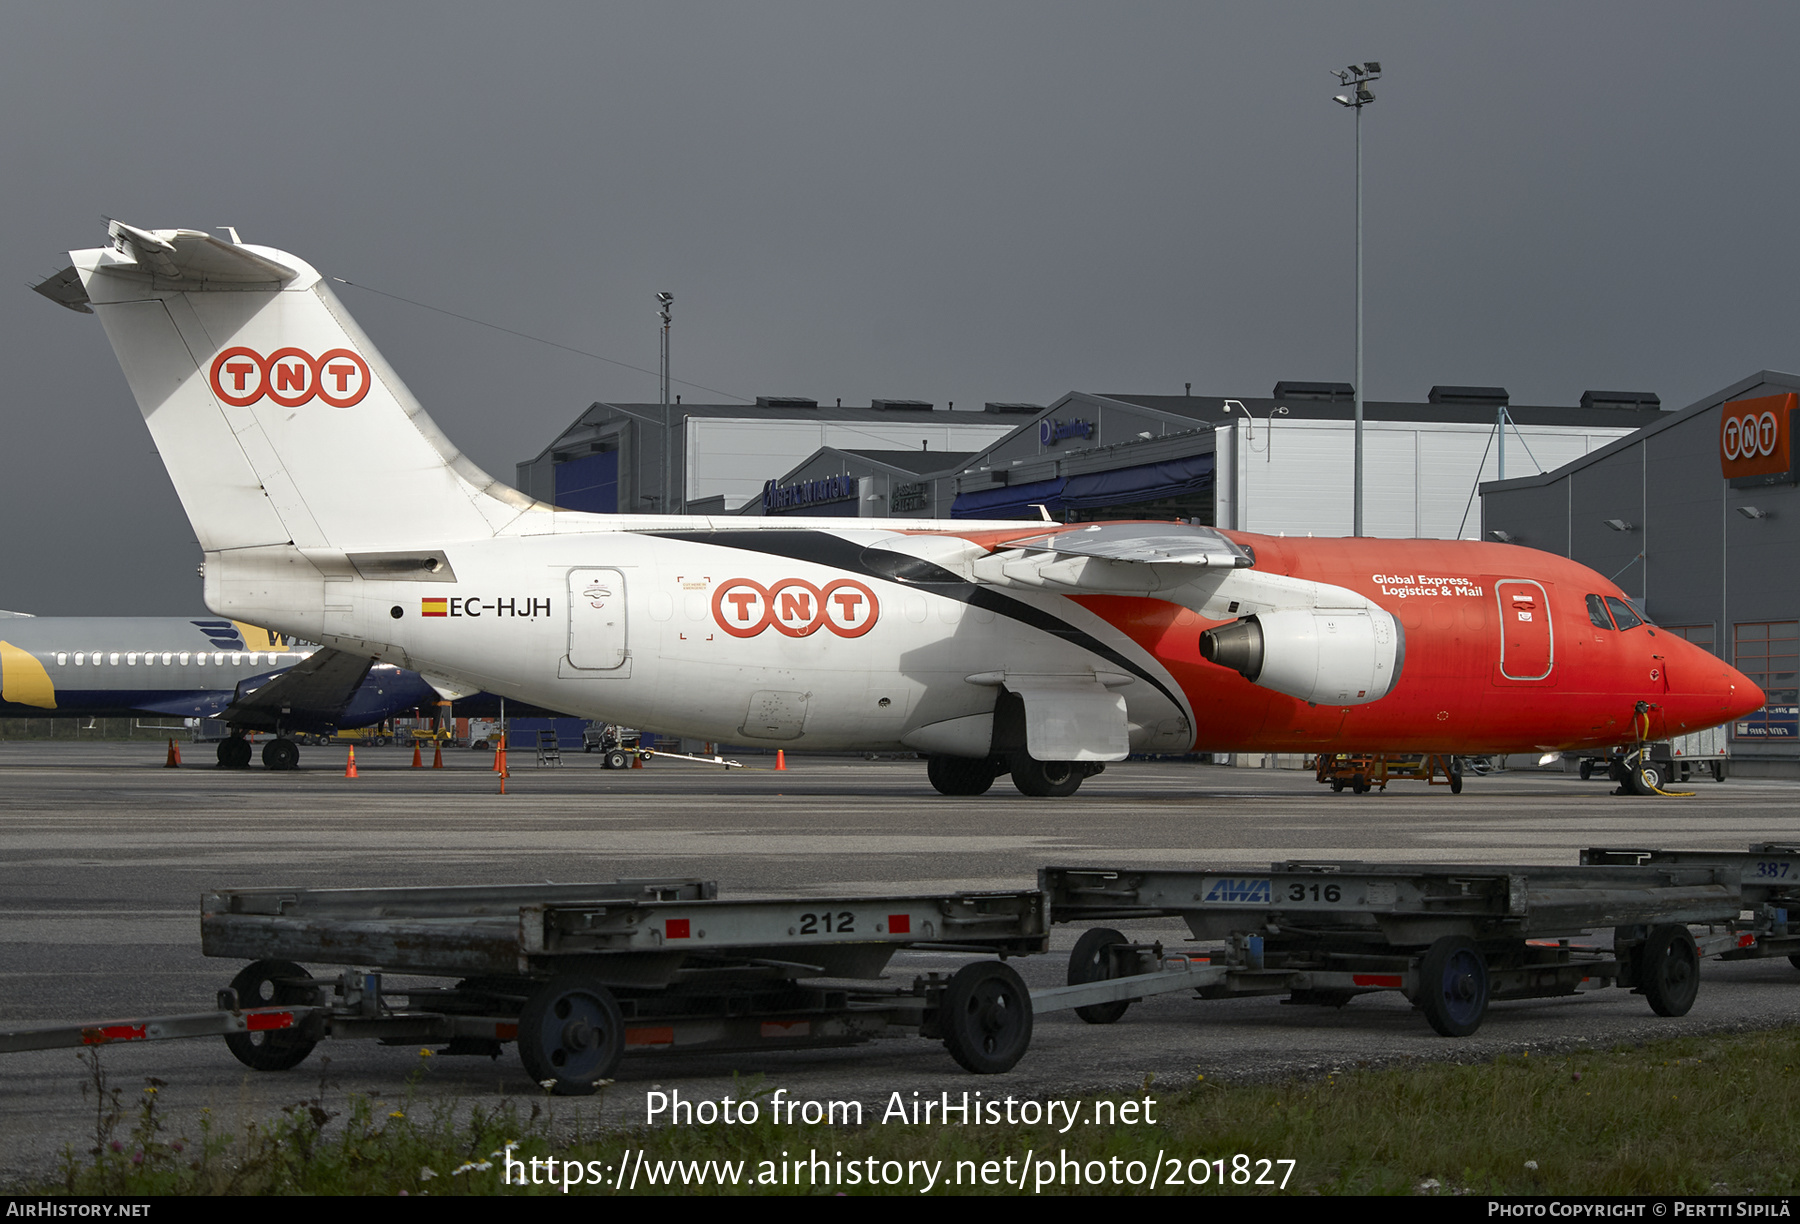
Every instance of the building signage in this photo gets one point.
(1050, 432)
(1756, 436)
(908, 496)
(807, 492)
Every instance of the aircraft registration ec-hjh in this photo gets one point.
(330, 507)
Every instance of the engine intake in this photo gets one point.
(1348, 656)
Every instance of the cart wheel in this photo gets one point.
(268, 983)
(1453, 986)
(1794, 960)
(1718, 771)
(1586, 770)
(1669, 970)
(616, 759)
(571, 1034)
(1337, 786)
(1090, 962)
(985, 1015)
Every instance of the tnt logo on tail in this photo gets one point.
(290, 376)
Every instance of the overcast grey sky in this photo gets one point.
(952, 202)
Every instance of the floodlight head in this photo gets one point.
(1363, 94)
(1752, 512)
(1341, 100)
(1505, 537)
(1373, 66)
(1356, 70)
(1618, 524)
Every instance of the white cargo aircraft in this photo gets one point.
(330, 507)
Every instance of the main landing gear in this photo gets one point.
(953, 775)
(278, 754)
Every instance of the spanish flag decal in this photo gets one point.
(434, 607)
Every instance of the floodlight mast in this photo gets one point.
(1360, 76)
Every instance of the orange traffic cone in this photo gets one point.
(637, 761)
(350, 769)
(780, 759)
(418, 756)
(174, 761)
(437, 757)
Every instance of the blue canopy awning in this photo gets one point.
(1121, 487)
(1010, 501)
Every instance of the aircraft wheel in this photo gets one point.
(571, 1035)
(234, 753)
(1453, 986)
(1045, 779)
(1091, 961)
(1669, 970)
(270, 983)
(985, 1017)
(280, 754)
(616, 759)
(954, 775)
(1645, 778)
(1794, 960)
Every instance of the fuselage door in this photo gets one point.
(1527, 638)
(597, 640)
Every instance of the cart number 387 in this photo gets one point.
(1774, 871)
(840, 923)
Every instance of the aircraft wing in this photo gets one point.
(314, 691)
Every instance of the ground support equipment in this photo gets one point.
(1361, 772)
(1769, 874)
(1450, 938)
(581, 974)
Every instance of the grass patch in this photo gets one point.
(1692, 1115)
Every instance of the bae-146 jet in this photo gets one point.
(247, 677)
(331, 507)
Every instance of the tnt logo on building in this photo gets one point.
(795, 607)
(1755, 438)
(290, 376)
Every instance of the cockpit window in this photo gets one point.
(1623, 614)
(1597, 612)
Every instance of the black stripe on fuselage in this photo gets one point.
(824, 548)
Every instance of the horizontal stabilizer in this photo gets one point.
(66, 289)
(313, 691)
(195, 257)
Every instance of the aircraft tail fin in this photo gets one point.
(278, 420)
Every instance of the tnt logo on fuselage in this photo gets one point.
(290, 376)
(1246, 892)
(795, 607)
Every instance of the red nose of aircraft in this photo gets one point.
(1703, 690)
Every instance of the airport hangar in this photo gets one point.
(1278, 464)
(1703, 526)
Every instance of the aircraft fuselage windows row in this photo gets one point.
(177, 658)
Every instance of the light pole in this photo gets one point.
(664, 301)
(1356, 100)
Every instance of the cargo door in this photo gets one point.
(598, 645)
(1527, 638)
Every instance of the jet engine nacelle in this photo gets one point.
(1337, 656)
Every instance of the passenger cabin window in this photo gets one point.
(184, 658)
(1597, 612)
(237, 659)
(168, 657)
(1623, 615)
(61, 658)
(78, 655)
(115, 658)
(130, 658)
